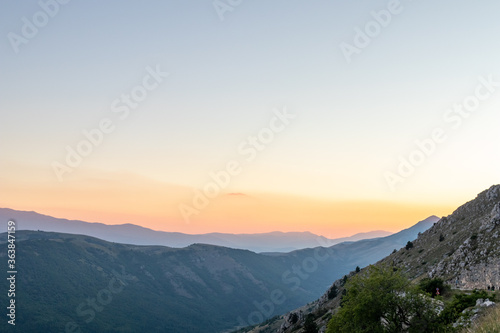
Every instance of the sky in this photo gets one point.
(238, 116)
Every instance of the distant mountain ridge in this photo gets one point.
(200, 288)
(137, 235)
(463, 249)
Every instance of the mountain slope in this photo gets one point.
(462, 248)
(134, 234)
(201, 288)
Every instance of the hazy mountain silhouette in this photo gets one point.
(137, 235)
(463, 249)
(200, 288)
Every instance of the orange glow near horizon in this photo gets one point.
(343, 219)
(156, 206)
(330, 219)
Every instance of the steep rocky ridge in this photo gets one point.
(462, 248)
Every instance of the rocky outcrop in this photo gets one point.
(291, 319)
(476, 262)
(470, 315)
(462, 248)
(484, 303)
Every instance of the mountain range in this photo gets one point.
(137, 235)
(78, 283)
(462, 249)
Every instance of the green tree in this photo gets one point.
(381, 300)
(432, 285)
(310, 326)
(453, 310)
(344, 280)
(332, 292)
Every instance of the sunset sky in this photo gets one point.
(334, 117)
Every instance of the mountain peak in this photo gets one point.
(463, 249)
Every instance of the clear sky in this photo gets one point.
(306, 113)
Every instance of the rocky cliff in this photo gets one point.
(462, 248)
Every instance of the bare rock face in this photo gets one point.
(476, 262)
(495, 215)
(478, 258)
(480, 276)
(462, 248)
(493, 193)
(484, 303)
(291, 319)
